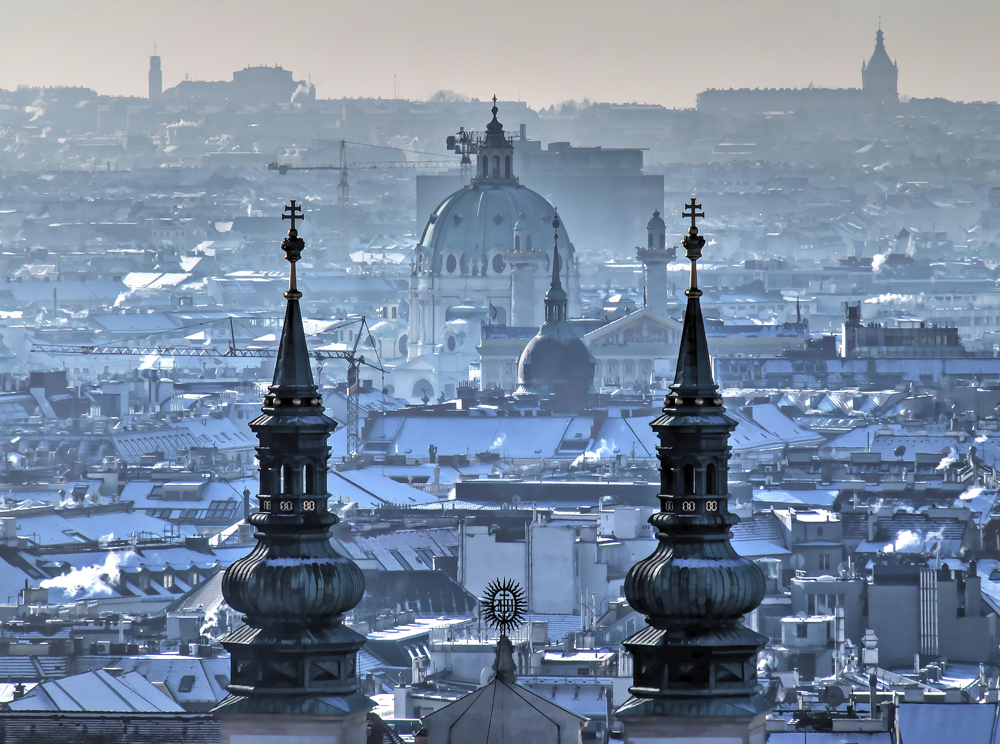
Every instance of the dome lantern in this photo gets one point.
(495, 153)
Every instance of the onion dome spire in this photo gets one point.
(556, 362)
(695, 657)
(693, 376)
(556, 299)
(292, 372)
(294, 654)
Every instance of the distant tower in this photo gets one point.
(879, 78)
(155, 76)
(695, 663)
(655, 257)
(294, 661)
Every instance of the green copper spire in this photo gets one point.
(695, 657)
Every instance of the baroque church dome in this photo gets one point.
(494, 213)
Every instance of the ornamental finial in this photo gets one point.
(693, 243)
(494, 109)
(292, 246)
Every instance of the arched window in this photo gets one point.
(667, 480)
(689, 480)
(517, 242)
(650, 241)
(486, 166)
(663, 240)
(310, 480)
(711, 479)
(496, 165)
(286, 479)
(506, 167)
(527, 243)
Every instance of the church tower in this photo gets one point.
(293, 669)
(695, 664)
(155, 77)
(654, 258)
(879, 78)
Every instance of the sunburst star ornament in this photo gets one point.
(504, 605)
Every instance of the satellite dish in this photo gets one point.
(798, 561)
(900, 450)
(844, 570)
(834, 696)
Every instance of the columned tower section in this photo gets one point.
(495, 152)
(695, 664)
(655, 257)
(294, 662)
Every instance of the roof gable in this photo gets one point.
(643, 326)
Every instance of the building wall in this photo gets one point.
(894, 615)
(484, 559)
(554, 574)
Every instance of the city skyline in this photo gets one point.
(410, 49)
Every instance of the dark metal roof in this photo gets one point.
(59, 728)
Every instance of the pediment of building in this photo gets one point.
(641, 327)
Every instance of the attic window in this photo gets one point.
(187, 683)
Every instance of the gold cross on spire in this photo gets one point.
(294, 213)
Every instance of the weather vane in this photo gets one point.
(504, 605)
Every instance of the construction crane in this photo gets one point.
(354, 364)
(343, 187)
(465, 144)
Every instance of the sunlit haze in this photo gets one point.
(542, 53)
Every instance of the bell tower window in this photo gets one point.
(689, 480)
(711, 479)
(506, 167)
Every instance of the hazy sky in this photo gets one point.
(543, 52)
